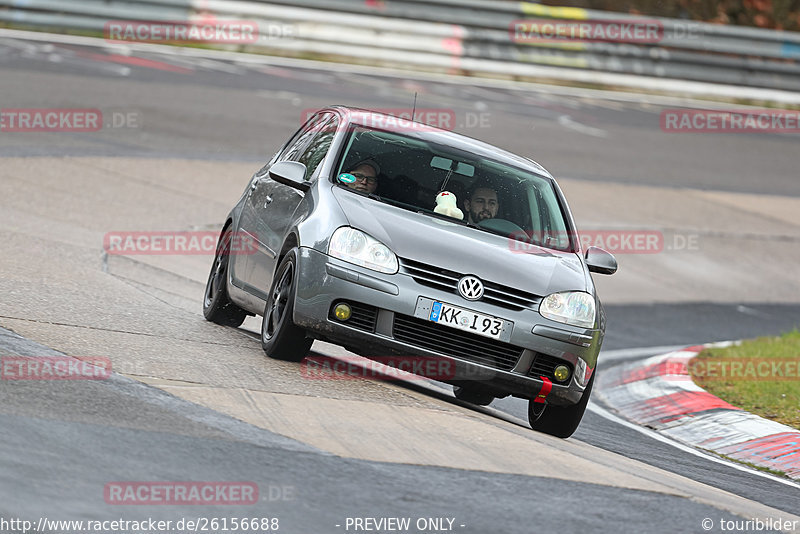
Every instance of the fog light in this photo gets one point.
(342, 311)
(561, 373)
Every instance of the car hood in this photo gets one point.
(465, 250)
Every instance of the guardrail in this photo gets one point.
(474, 36)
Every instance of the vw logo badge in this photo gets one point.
(470, 287)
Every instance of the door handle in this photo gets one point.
(256, 182)
(267, 201)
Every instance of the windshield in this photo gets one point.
(410, 172)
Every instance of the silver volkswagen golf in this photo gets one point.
(401, 241)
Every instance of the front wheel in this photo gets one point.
(559, 421)
(281, 339)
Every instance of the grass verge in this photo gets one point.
(761, 376)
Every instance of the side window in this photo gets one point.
(318, 147)
(301, 141)
(263, 170)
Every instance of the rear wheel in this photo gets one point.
(217, 306)
(559, 421)
(473, 395)
(280, 337)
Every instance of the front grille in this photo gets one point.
(363, 316)
(446, 280)
(456, 343)
(544, 365)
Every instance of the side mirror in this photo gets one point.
(291, 173)
(599, 261)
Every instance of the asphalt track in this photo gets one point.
(201, 127)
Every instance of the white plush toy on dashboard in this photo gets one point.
(446, 205)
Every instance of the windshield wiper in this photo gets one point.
(393, 202)
(463, 222)
(386, 200)
(431, 213)
(489, 230)
(373, 196)
(444, 217)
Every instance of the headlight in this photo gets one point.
(570, 307)
(354, 246)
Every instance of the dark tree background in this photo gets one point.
(775, 14)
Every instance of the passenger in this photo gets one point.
(366, 173)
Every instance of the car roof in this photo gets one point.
(369, 118)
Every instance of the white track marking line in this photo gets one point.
(751, 311)
(624, 354)
(568, 122)
(602, 412)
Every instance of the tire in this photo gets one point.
(281, 339)
(559, 421)
(473, 395)
(217, 305)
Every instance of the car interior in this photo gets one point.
(413, 172)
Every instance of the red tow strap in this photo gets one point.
(547, 385)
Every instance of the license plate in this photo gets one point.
(477, 323)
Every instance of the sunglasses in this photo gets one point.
(364, 178)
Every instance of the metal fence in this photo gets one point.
(476, 36)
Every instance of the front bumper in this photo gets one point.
(323, 281)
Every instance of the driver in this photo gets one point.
(481, 203)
